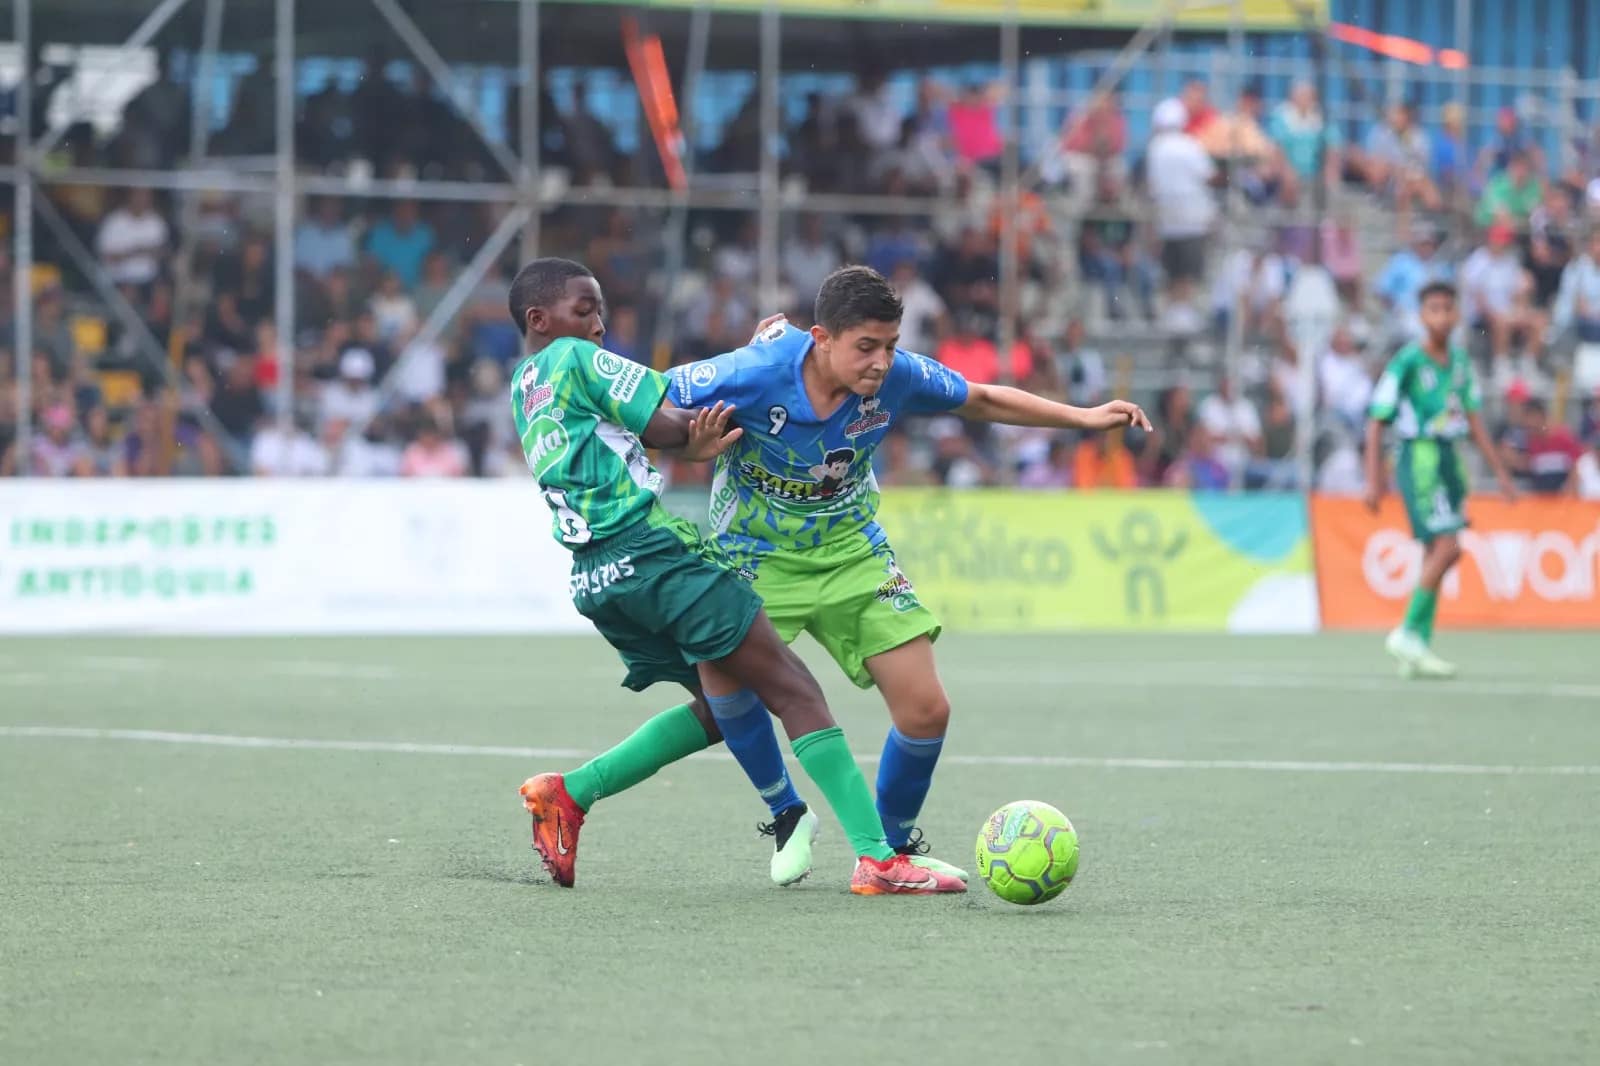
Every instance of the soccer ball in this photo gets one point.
(1027, 852)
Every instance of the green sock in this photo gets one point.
(826, 759)
(1419, 615)
(669, 736)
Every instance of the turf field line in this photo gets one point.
(401, 747)
(1329, 683)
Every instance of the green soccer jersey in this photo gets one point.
(579, 410)
(1424, 400)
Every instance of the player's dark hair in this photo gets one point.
(540, 284)
(839, 455)
(1436, 288)
(855, 294)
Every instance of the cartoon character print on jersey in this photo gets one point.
(832, 479)
(833, 472)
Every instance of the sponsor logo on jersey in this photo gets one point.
(771, 333)
(535, 397)
(627, 382)
(746, 572)
(702, 374)
(870, 416)
(544, 442)
(897, 591)
(608, 364)
(589, 582)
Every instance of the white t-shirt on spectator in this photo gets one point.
(123, 232)
(806, 266)
(419, 375)
(878, 118)
(1589, 476)
(1178, 172)
(299, 456)
(342, 403)
(1236, 426)
(360, 457)
(1346, 385)
(1263, 284)
(921, 308)
(1489, 282)
(396, 315)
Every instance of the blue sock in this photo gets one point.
(904, 773)
(747, 730)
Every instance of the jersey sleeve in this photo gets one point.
(1386, 394)
(622, 391)
(929, 386)
(720, 378)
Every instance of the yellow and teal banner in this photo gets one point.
(1013, 561)
(1254, 15)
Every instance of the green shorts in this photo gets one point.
(1433, 484)
(852, 599)
(664, 599)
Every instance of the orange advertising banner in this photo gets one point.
(1533, 564)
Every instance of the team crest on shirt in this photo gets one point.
(535, 397)
(870, 416)
(1429, 378)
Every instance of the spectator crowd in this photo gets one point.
(1138, 264)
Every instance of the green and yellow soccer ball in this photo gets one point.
(1027, 852)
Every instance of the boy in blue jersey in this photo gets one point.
(794, 504)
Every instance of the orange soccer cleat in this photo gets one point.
(556, 821)
(899, 876)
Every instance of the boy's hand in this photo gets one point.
(770, 320)
(1373, 497)
(709, 435)
(1508, 489)
(1116, 414)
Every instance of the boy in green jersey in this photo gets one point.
(666, 600)
(1430, 393)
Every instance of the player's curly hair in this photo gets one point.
(540, 284)
(855, 294)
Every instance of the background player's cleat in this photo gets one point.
(556, 821)
(916, 849)
(899, 876)
(1407, 649)
(1432, 667)
(794, 830)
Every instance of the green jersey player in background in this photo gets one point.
(795, 504)
(1430, 393)
(669, 603)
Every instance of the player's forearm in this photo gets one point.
(1374, 454)
(668, 428)
(1014, 407)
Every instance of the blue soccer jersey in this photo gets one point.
(795, 481)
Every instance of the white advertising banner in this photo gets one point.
(259, 557)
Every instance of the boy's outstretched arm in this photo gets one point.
(1014, 407)
(697, 436)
